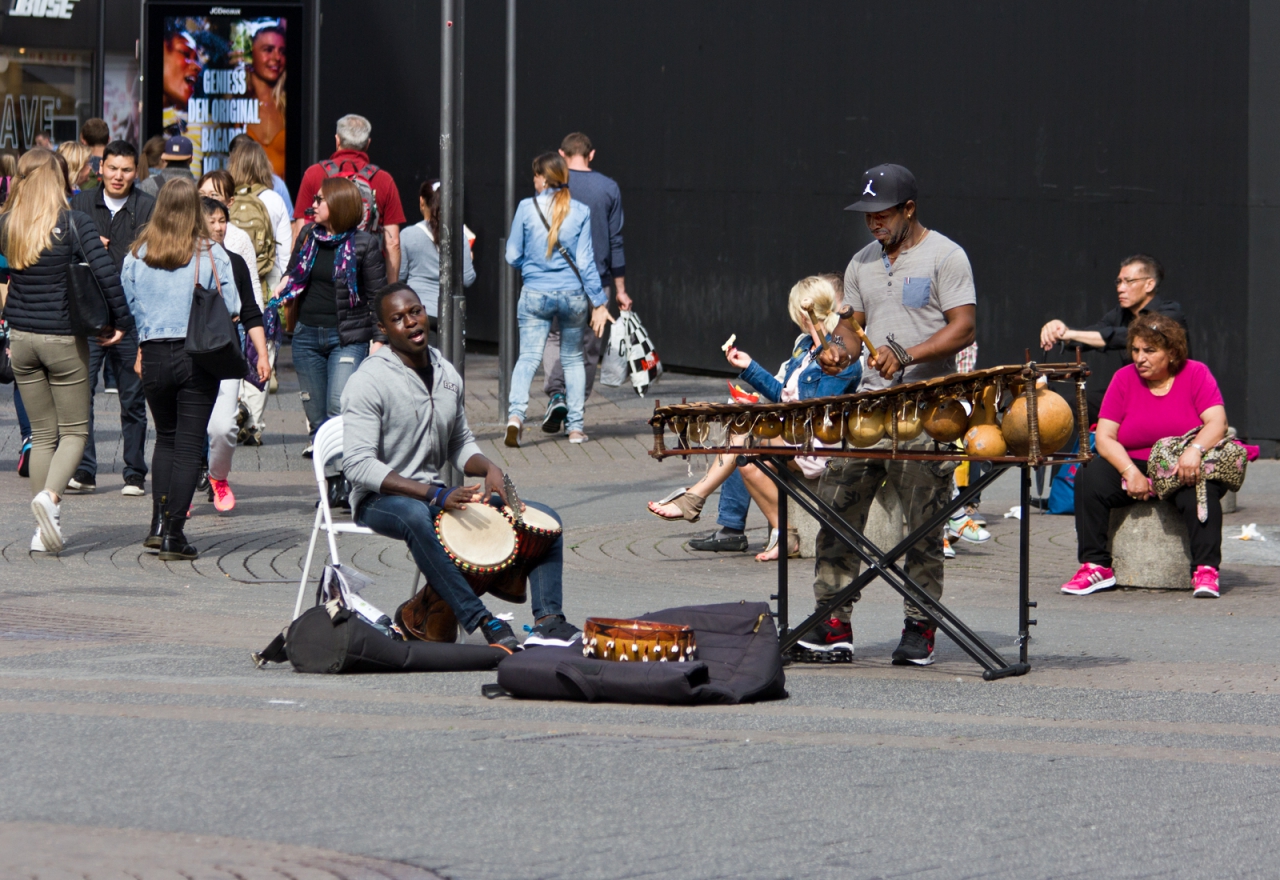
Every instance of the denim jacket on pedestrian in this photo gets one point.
(527, 250)
(813, 382)
(160, 299)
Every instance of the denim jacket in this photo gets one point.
(813, 382)
(527, 250)
(160, 299)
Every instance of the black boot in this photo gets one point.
(173, 544)
(153, 539)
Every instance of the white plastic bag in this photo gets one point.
(614, 369)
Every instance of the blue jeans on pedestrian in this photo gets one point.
(133, 405)
(534, 313)
(24, 423)
(413, 521)
(735, 501)
(324, 365)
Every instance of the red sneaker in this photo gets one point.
(1090, 579)
(223, 498)
(1205, 581)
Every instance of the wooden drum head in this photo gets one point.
(478, 537)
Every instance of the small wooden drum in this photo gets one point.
(536, 533)
(607, 638)
(480, 540)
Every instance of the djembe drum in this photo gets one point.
(480, 540)
(536, 533)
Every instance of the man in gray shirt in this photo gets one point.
(912, 289)
(402, 419)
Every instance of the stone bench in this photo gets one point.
(1149, 546)
(886, 524)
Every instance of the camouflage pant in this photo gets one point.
(850, 486)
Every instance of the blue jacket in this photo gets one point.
(160, 299)
(813, 382)
(527, 250)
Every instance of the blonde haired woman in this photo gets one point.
(78, 164)
(171, 256)
(801, 378)
(50, 365)
(550, 243)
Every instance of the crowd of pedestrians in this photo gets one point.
(303, 271)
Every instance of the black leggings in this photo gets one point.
(1098, 491)
(181, 397)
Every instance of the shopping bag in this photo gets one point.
(642, 358)
(614, 369)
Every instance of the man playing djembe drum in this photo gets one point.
(912, 289)
(403, 418)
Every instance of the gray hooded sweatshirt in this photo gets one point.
(390, 423)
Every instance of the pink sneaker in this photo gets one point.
(1090, 579)
(223, 498)
(1205, 581)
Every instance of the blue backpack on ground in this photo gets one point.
(1062, 493)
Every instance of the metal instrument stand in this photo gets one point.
(881, 564)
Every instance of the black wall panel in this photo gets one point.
(1049, 139)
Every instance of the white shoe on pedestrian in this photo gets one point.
(37, 543)
(48, 514)
(578, 437)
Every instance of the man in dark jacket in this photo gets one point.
(119, 210)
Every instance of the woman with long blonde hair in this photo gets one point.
(550, 243)
(78, 165)
(171, 256)
(40, 238)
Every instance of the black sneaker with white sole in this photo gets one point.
(829, 642)
(916, 646)
(498, 634)
(557, 412)
(83, 482)
(554, 631)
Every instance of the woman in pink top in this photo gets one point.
(1161, 394)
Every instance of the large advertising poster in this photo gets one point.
(225, 71)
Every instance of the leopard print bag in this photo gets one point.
(1224, 463)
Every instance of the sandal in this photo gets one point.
(690, 505)
(793, 546)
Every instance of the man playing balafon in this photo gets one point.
(912, 289)
(403, 419)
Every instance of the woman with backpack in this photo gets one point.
(172, 255)
(333, 273)
(420, 257)
(550, 243)
(260, 212)
(41, 238)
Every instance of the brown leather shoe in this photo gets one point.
(427, 617)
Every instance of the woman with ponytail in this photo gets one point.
(550, 243)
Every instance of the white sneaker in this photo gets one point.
(37, 544)
(577, 437)
(967, 530)
(48, 515)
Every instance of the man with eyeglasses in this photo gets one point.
(1137, 289)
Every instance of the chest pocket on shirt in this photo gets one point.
(916, 292)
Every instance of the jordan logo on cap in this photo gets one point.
(869, 191)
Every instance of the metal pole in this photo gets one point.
(1024, 565)
(459, 315)
(100, 62)
(444, 306)
(314, 151)
(506, 274)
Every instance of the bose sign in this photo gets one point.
(42, 8)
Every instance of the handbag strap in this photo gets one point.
(560, 247)
(213, 264)
(76, 245)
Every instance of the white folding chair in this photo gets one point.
(327, 445)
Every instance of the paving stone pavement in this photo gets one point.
(140, 741)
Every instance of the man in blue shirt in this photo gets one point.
(602, 196)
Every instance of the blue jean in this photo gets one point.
(413, 521)
(324, 365)
(133, 405)
(24, 423)
(534, 313)
(735, 501)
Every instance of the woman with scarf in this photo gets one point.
(333, 272)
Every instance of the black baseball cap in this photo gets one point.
(177, 147)
(884, 187)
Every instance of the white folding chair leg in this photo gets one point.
(417, 577)
(306, 568)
